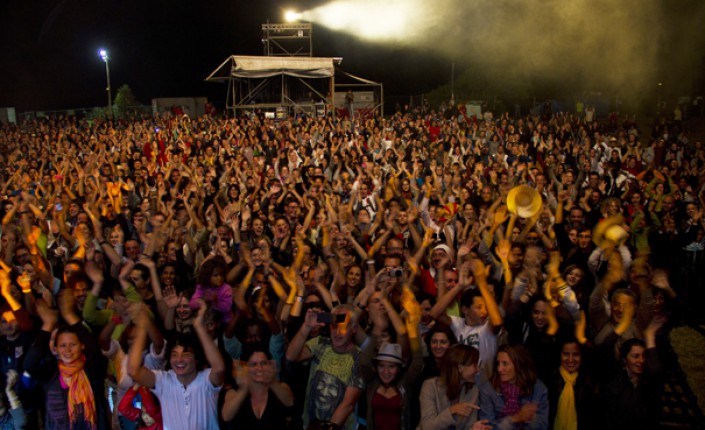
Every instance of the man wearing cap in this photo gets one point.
(441, 256)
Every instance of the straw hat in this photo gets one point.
(524, 201)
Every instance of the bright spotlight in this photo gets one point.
(103, 54)
(291, 16)
(374, 19)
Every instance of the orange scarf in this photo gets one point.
(80, 392)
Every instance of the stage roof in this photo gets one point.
(240, 66)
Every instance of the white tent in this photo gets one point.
(282, 83)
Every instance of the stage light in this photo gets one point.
(371, 19)
(292, 16)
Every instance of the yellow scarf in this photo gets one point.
(80, 392)
(567, 416)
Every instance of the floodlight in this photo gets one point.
(291, 16)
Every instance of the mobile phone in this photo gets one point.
(327, 318)
(58, 207)
(324, 317)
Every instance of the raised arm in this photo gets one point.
(479, 271)
(156, 286)
(297, 350)
(135, 368)
(438, 312)
(213, 356)
(235, 398)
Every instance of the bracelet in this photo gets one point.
(329, 256)
(370, 261)
(335, 303)
(299, 298)
(117, 319)
(103, 242)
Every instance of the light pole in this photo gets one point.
(104, 55)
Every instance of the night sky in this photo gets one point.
(161, 49)
(49, 58)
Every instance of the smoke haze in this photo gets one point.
(625, 46)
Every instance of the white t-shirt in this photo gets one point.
(194, 407)
(480, 336)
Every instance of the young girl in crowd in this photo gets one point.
(213, 289)
(74, 387)
(388, 395)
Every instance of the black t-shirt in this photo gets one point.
(273, 417)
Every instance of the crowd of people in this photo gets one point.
(426, 270)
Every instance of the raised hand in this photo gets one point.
(503, 248)
(49, 317)
(147, 262)
(93, 272)
(241, 375)
(500, 215)
(202, 308)
(311, 319)
(478, 268)
(171, 299)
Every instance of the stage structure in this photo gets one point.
(289, 85)
(288, 40)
